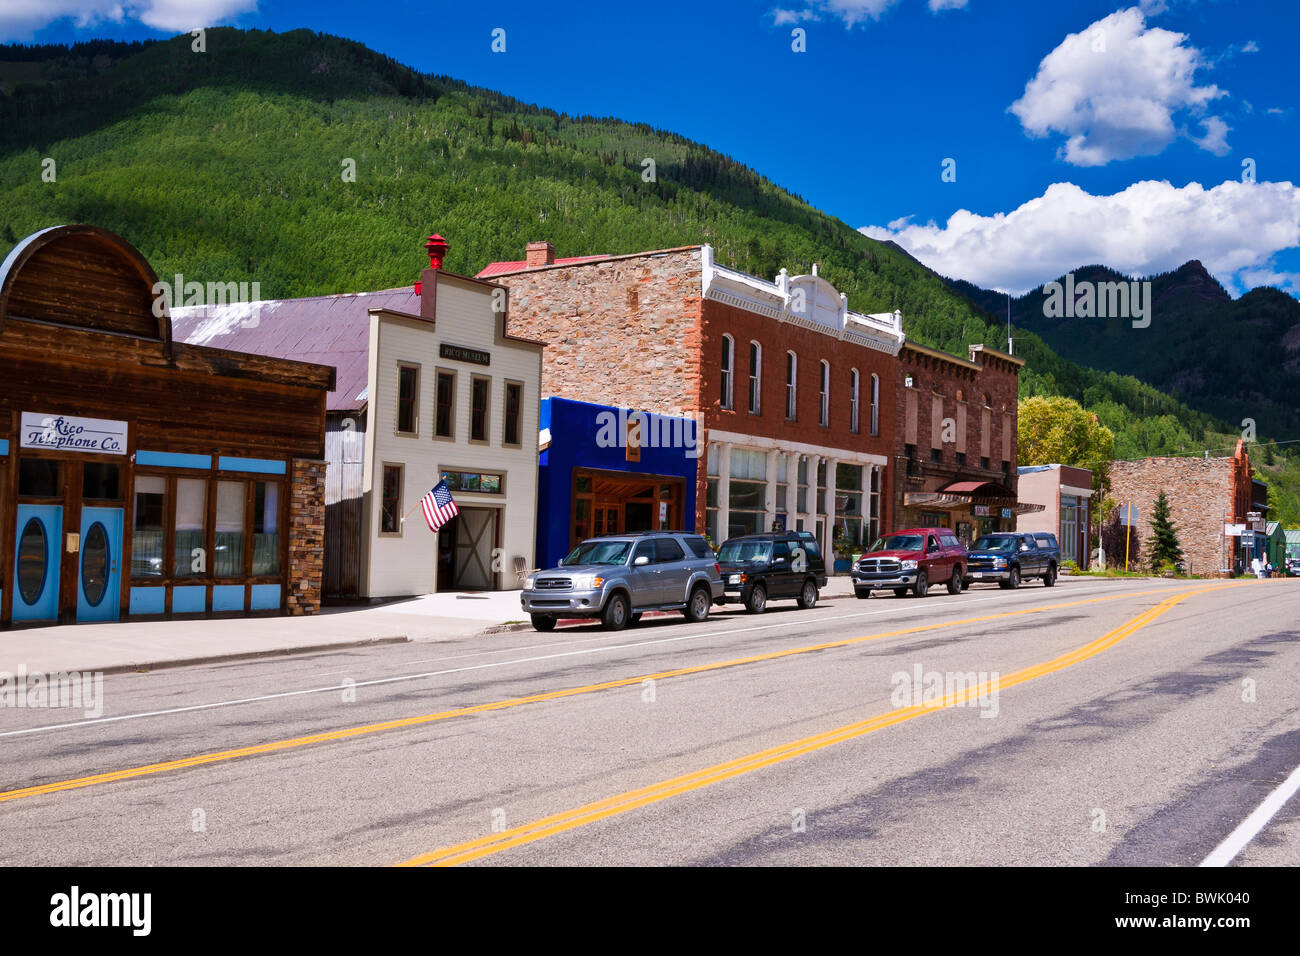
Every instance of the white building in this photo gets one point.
(430, 386)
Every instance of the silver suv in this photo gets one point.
(618, 577)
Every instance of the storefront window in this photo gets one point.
(746, 511)
(191, 513)
(821, 487)
(228, 561)
(1069, 537)
(266, 524)
(147, 533)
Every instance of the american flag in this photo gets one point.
(438, 506)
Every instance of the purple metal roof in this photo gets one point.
(327, 329)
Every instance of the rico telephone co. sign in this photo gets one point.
(66, 433)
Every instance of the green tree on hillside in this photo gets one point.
(1057, 430)
(1164, 549)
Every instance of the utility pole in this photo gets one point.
(1011, 346)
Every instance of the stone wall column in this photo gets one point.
(306, 536)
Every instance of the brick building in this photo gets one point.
(955, 441)
(1209, 501)
(792, 391)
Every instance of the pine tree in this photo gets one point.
(1165, 548)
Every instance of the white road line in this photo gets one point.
(458, 670)
(1249, 828)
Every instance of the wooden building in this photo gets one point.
(140, 476)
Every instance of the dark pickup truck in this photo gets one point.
(1010, 557)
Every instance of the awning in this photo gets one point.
(985, 489)
(940, 501)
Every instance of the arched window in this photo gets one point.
(791, 379)
(853, 400)
(728, 366)
(824, 414)
(755, 377)
(875, 404)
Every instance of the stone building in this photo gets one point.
(1210, 501)
(955, 441)
(793, 391)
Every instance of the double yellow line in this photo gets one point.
(633, 799)
(198, 760)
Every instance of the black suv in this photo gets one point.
(757, 568)
(1010, 557)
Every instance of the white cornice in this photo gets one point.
(823, 309)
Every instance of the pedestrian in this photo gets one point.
(1268, 568)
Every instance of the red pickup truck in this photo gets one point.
(911, 560)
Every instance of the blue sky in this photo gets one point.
(1081, 131)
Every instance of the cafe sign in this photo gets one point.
(66, 433)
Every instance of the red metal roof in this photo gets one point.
(500, 268)
(327, 329)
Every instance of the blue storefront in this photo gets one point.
(609, 470)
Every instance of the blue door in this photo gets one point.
(36, 562)
(99, 577)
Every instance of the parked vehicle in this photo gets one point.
(911, 560)
(1010, 557)
(757, 568)
(619, 577)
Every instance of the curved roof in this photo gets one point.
(86, 277)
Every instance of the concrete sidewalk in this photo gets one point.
(148, 645)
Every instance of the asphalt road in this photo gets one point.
(1121, 723)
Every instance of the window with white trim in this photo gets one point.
(727, 365)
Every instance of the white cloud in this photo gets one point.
(1147, 228)
(1250, 47)
(1215, 139)
(852, 11)
(20, 19)
(1113, 89)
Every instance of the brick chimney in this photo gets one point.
(539, 254)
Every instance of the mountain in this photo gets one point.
(1234, 358)
(230, 165)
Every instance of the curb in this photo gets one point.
(242, 656)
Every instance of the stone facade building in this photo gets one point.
(1209, 501)
(792, 391)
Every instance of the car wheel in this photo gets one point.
(954, 582)
(900, 592)
(543, 622)
(1050, 577)
(862, 594)
(697, 608)
(1013, 580)
(922, 586)
(808, 596)
(756, 603)
(616, 613)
